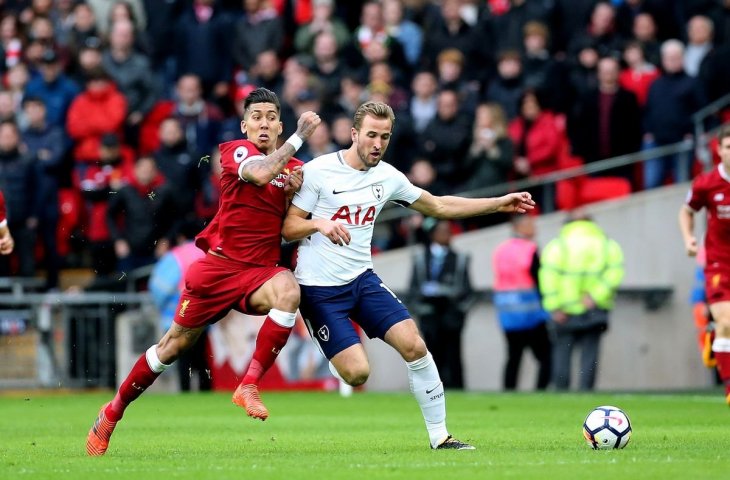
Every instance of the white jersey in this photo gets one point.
(334, 190)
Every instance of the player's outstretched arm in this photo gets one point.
(686, 226)
(297, 226)
(449, 207)
(261, 171)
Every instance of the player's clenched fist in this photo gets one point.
(307, 124)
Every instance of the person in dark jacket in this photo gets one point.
(442, 296)
(673, 98)
(47, 145)
(607, 122)
(140, 217)
(18, 182)
(181, 166)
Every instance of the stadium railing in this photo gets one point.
(61, 339)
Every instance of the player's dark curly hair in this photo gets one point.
(262, 95)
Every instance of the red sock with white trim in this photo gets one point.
(272, 337)
(143, 374)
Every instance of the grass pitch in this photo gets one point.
(374, 436)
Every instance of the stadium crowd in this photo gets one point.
(111, 111)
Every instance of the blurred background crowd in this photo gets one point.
(111, 111)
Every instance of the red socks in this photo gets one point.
(271, 339)
(723, 367)
(136, 382)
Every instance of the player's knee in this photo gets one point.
(287, 294)
(414, 349)
(355, 376)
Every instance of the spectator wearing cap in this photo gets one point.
(54, 88)
(47, 145)
(132, 74)
(99, 109)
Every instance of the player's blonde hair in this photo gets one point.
(375, 109)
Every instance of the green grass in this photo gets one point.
(378, 436)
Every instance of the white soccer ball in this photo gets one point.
(607, 427)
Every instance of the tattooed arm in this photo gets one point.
(261, 171)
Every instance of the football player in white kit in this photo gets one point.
(333, 214)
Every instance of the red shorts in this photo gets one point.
(215, 285)
(717, 284)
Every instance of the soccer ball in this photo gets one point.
(607, 427)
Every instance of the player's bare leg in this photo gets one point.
(721, 345)
(279, 299)
(351, 365)
(425, 383)
(148, 367)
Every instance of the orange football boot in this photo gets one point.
(247, 397)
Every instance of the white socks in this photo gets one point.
(154, 361)
(283, 319)
(721, 345)
(426, 386)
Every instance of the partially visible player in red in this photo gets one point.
(6, 240)
(240, 270)
(711, 191)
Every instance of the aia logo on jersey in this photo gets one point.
(378, 191)
(719, 197)
(355, 218)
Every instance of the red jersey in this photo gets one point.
(711, 190)
(247, 227)
(3, 213)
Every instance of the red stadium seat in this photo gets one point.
(581, 190)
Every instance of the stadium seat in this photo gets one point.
(581, 190)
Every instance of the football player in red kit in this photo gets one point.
(240, 268)
(711, 191)
(6, 240)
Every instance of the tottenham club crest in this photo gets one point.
(324, 333)
(378, 191)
